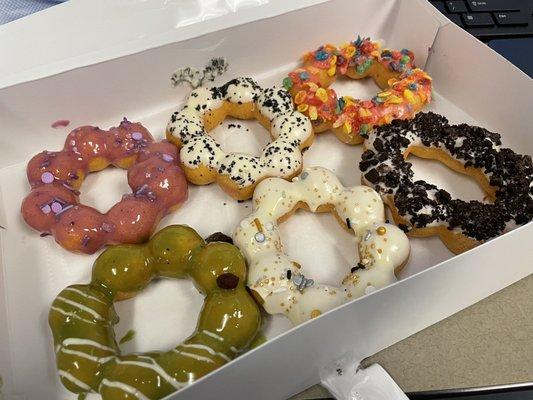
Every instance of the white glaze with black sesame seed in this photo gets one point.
(280, 158)
(382, 247)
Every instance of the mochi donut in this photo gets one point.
(82, 317)
(421, 208)
(406, 89)
(278, 282)
(156, 180)
(201, 157)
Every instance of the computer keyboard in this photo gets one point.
(490, 19)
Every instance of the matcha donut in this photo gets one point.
(82, 317)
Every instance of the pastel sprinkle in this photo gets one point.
(56, 207)
(136, 135)
(287, 83)
(412, 86)
(321, 55)
(46, 209)
(167, 157)
(322, 94)
(259, 237)
(313, 113)
(47, 177)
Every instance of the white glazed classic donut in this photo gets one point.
(203, 160)
(278, 282)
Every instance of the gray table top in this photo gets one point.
(488, 343)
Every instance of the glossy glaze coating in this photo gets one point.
(82, 317)
(278, 281)
(238, 173)
(156, 180)
(406, 89)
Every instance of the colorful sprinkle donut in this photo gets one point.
(278, 283)
(422, 209)
(406, 89)
(156, 180)
(82, 317)
(202, 159)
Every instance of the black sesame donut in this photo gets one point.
(422, 209)
(203, 160)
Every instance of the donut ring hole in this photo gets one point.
(104, 189)
(238, 135)
(448, 174)
(331, 243)
(178, 313)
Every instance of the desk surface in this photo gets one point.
(489, 343)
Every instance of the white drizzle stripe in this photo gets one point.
(125, 388)
(213, 335)
(81, 307)
(71, 314)
(282, 157)
(68, 376)
(154, 366)
(206, 348)
(81, 354)
(86, 342)
(194, 356)
(87, 296)
(382, 247)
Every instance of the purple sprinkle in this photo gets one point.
(46, 209)
(45, 164)
(47, 177)
(167, 157)
(60, 201)
(64, 209)
(85, 240)
(56, 207)
(142, 189)
(136, 135)
(161, 169)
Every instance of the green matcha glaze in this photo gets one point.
(82, 317)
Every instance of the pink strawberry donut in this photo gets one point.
(158, 186)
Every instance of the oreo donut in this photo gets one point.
(421, 208)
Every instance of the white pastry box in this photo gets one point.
(130, 77)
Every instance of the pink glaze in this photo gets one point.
(157, 182)
(60, 123)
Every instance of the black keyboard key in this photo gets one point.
(511, 18)
(456, 6)
(494, 5)
(456, 19)
(479, 19)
